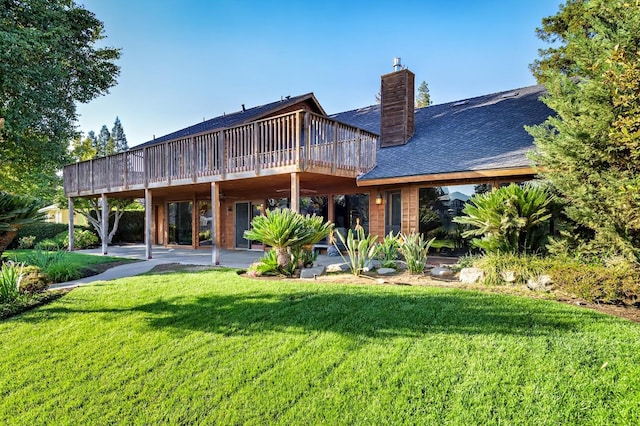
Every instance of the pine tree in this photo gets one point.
(119, 138)
(590, 151)
(105, 143)
(424, 98)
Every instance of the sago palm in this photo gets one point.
(509, 219)
(285, 229)
(15, 211)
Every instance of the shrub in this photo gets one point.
(359, 248)
(414, 248)
(267, 265)
(511, 219)
(597, 283)
(389, 251)
(81, 239)
(41, 231)
(10, 277)
(33, 280)
(48, 245)
(62, 271)
(518, 268)
(26, 242)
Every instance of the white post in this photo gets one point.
(71, 240)
(215, 208)
(105, 223)
(148, 209)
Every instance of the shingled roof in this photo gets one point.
(481, 133)
(234, 118)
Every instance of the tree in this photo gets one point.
(590, 151)
(424, 98)
(16, 211)
(119, 138)
(49, 62)
(91, 147)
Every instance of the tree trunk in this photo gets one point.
(283, 256)
(5, 240)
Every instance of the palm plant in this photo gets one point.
(15, 211)
(511, 219)
(286, 231)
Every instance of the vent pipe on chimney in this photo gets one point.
(397, 66)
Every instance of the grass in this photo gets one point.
(216, 348)
(78, 259)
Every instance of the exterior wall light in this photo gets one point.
(379, 200)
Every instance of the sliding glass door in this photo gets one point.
(180, 223)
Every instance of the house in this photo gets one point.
(382, 166)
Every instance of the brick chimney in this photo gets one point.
(397, 104)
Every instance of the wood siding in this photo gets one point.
(296, 141)
(397, 105)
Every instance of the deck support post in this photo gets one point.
(148, 209)
(71, 239)
(215, 219)
(295, 192)
(105, 222)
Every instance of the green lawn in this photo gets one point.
(79, 259)
(215, 348)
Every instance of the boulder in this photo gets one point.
(508, 276)
(337, 268)
(385, 271)
(471, 275)
(332, 251)
(442, 272)
(316, 271)
(540, 283)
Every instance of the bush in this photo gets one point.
(10, 277)
(509, 268)
(267, 265)
(48, 245)
(62, 271)
(414, 248)
(55, 264)
(41, 231)
(597, 283)
(81, 239)
(26, 242)
(33, 280)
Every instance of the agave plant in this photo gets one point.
(286, 231)
(360, 249)
(511, 219)
(414, 248)
(15, 211)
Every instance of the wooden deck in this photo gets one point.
(295, 142)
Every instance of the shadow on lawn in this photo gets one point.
(360, 314)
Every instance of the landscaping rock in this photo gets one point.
(316, 271)
(337, 268)
(541, 283)
(371, 264)
(508, 276)
(442, 272)
(332, 251)
(385, 271)
(401, 265)
(471, 275)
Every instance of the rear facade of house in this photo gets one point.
(387, 167)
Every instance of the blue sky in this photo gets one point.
(183, 61)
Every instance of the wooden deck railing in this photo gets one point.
(299, 140)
